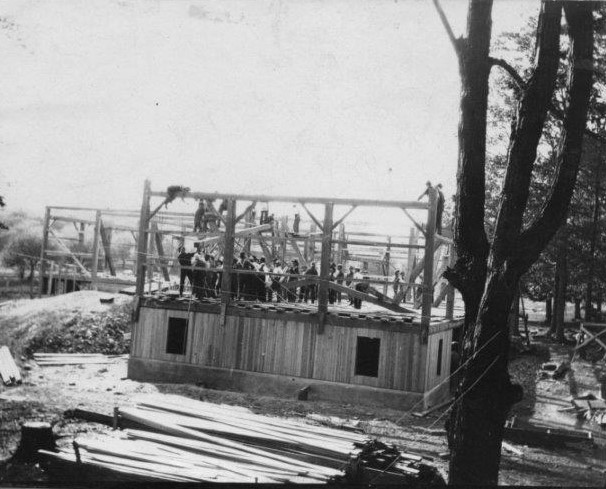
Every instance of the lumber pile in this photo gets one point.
(58, 359)
(529, 434)
(8, 368)
(183, 440)
(590, 408)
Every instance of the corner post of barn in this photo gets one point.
(142, 240)
(43, 262)
(228, 257)
(325, 265)
(427, 287)
(95, 262)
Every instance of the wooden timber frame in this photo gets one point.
(277, 348)
(64, 270)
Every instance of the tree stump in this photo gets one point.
(35, 435)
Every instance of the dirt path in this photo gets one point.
(48, 391)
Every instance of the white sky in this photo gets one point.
(348, 98)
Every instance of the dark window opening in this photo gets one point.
(440, 345)
(367, 356)
(176, 338)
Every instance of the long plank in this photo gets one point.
(212, 455)
(159, 423)
(8, 368)
(260, 434)
(245, 413)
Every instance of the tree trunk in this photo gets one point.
(548, 311)
(588, 299)
(592, 247)
(486, 393)
(577, 308)
(514, 315)
(561, 282)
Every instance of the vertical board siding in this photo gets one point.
(432, 378)
(293, 348)
(151, 335)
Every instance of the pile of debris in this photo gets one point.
(8, 368)
(590, 408)
(172, 438)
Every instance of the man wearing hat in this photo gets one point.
(359, 286)
(397, 281)
(276, 283)
(332, 296)
(310, 290)
(339, 277)
(184, 260)
(293, 269)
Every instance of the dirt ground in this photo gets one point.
(47, 392)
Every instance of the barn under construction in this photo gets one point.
(395, 351)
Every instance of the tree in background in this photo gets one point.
(123, 248)
(23, 253)
(489, 267)
(3, 225)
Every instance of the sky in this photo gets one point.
(344, 98)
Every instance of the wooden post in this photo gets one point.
(312, 243)
(49, 289)
(283, 229)
(44, 246)
(341, 246)
(160, 251)
(387, 262)
(411, 262)
(59, 288)
(228, 258)
(248, 218)
(151, 251)
(142, 240)
(95, 264)
(325, 266)
(428, 268)
(106, 241)
(450, 295)
(81, 233)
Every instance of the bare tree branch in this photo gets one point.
(510, 70)
(453, 40)
(553, 110)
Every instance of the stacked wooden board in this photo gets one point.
(57, 359)
(180, 439)
(8, 368)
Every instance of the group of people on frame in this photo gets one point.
(254, 279)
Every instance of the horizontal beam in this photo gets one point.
(216, 237)
(72, 219)
(124, 213)
(383, 244)
(307, 200)
(69, 253)
(376, 235)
